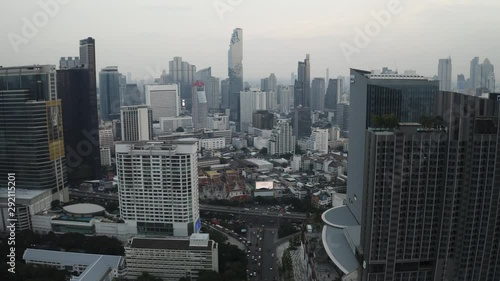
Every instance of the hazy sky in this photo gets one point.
(146, 34)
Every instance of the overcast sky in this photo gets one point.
(146, 34)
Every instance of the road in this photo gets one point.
(259, 211)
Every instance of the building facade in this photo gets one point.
(318, 94)
(172, 259)
(158, 186)
(282, 140)
(251, 101)
(32, 139)
(164, 100)
(109, 90)
(137, 123)
(235, 73)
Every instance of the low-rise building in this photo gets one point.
(28, 203)
(212, 143)
(172, 258)
(83, 267)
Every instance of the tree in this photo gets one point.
(55, 204)
(180, 130)
(148, 277)
(263, 150)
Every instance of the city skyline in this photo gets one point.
(318, 35)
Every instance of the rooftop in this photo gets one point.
(166, 244)
(97, 265)
(23, 193)
(339, 217)
(338, 249)
(84, 208)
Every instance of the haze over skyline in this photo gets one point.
(136, 36)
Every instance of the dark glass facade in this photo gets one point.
(81, 125)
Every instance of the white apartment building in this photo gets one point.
(212, 143)
(105, 156)
(172, 258)
(158, 186)
(320, 140)
(282, 140)
(83, 267)
(164, 100)
(137, 123)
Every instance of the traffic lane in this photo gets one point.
(269, 271)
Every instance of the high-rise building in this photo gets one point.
(272, 101)
(342, 117)
(81, 124)
(408, 98)
(320, 140)
(224, 93)
(263, 119)
(475, 73)
(212, 88)
(264, 84)
(109, 89)
(200, 107)
(184, 74)
(137, 123)
(334, 94)
(158, 186)
(251, 101)
(282, 140)
(273, 83)
(284, 98)
(302, 123)
(432, 195)
(461, 83)
(302, 92)
(164, 100)
(318, 94)
(106, 138)
(132, 96)
(31, 126)
(235, 73)
(444, 74)
(488, 76)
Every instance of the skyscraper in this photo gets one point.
(200, 107)
(264, 84)
(235, 73)
(333, 94)
(273, 83)
(183, 73)
(444, 74)
(284, 98)
(475, 73)
(31, 129)
(224, 93)
(212, 88)
(132, 96)
(432, 195)
(137, 123)
(488, 76)
(164, 100)
(158, 186)
(461, 82)
(407, 97)
(320, 140)
(109, 89)
(318, 94)
(81, 124)
(303, 84)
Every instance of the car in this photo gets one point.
(271, 268)
(258, 264)
(272, 255)
(246, 209)
(280, 215)
(288, 213)
(260, 249)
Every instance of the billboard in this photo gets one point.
(264, 185)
